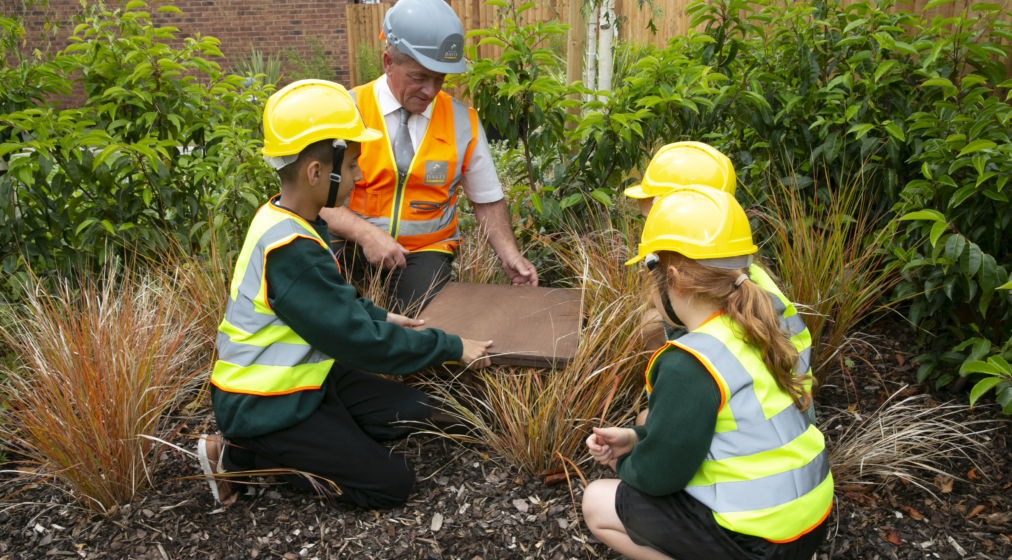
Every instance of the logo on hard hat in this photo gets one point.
(450, 49)
(435, 172)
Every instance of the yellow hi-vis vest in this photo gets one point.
(767, 471)
(258, 354)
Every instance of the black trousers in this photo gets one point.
(411, 288)
(340, 441)
(681, 527)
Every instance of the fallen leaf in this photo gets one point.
(908, 392)
(26, 471)
(390, 530)
(976, 511)
(913, 513)
(893, 538)
(555, 478)
(291, 556)
(550, 472)
(437, 522)
(521, 505)
(899, 359)
(943, 483)
(972, 475)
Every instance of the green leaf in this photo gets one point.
(939, 82)
(978, 367)
(937, 230)
(861, 129)
(525, 7)
(954, 247)
(170, 9)
(973, 260)
(1001, 364)
(935, 3)
(884, 67)
(895, 131)
(983, 386)
(501, 4)
(976, 146)
(84, 224)
(1005, 286)
(961, 195)
(601, 196)
(932, 215)
(853, 24)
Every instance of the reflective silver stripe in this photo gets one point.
(422, 227)
(462, 137)
(753, 434)
(794, 324)
(745, 405)
(762, 493)
(241, 312)
(786, 426)
(354, 96)
(276, 354)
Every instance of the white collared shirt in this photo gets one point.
(481, 184)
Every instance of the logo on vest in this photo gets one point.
(435, 172)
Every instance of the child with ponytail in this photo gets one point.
(727, 464)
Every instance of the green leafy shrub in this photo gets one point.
(570, 153)
(819, 92)
(163, 151)
(267, 70)
(369, 61)
(316, 67)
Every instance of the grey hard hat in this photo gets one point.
(429, 32)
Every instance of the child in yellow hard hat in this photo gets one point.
(727, 464)
(685, 164)
(293, 388)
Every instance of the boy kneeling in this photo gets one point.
(290, 388)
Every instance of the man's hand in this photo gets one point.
(606, 445)
(379, 248)
(402, 321)
(475, 353)
(521, 272)
(382, 250)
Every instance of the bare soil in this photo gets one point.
(469, 505)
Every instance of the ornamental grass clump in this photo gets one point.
(98, 366)
(902, 439)
(830, 255)
(535, 418)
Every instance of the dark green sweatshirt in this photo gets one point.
(307, 291)
(679, 428)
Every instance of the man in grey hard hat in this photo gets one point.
(402, 216)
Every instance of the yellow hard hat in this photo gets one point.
(702, 223)
(682, 164)
(308, 111)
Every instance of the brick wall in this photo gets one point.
(272, 27)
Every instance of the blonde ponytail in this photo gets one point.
(750, 307)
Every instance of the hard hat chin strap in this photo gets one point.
(335, 175)
(653, 263)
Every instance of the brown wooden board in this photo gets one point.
(535, 327)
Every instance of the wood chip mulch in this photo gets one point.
(468, 505)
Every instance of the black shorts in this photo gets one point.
(681, 527)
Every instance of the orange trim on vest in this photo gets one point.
(709, 367)
(282, 243)
(808, 530)
(267, 393)
(668, 344)
(378, 194)
(650, 364)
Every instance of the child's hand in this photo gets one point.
(608, 444)
(475, 353)
(402, 321)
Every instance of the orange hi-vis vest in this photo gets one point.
(420, 210)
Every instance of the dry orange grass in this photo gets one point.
(98, 367)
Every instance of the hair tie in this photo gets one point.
(740, 279)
